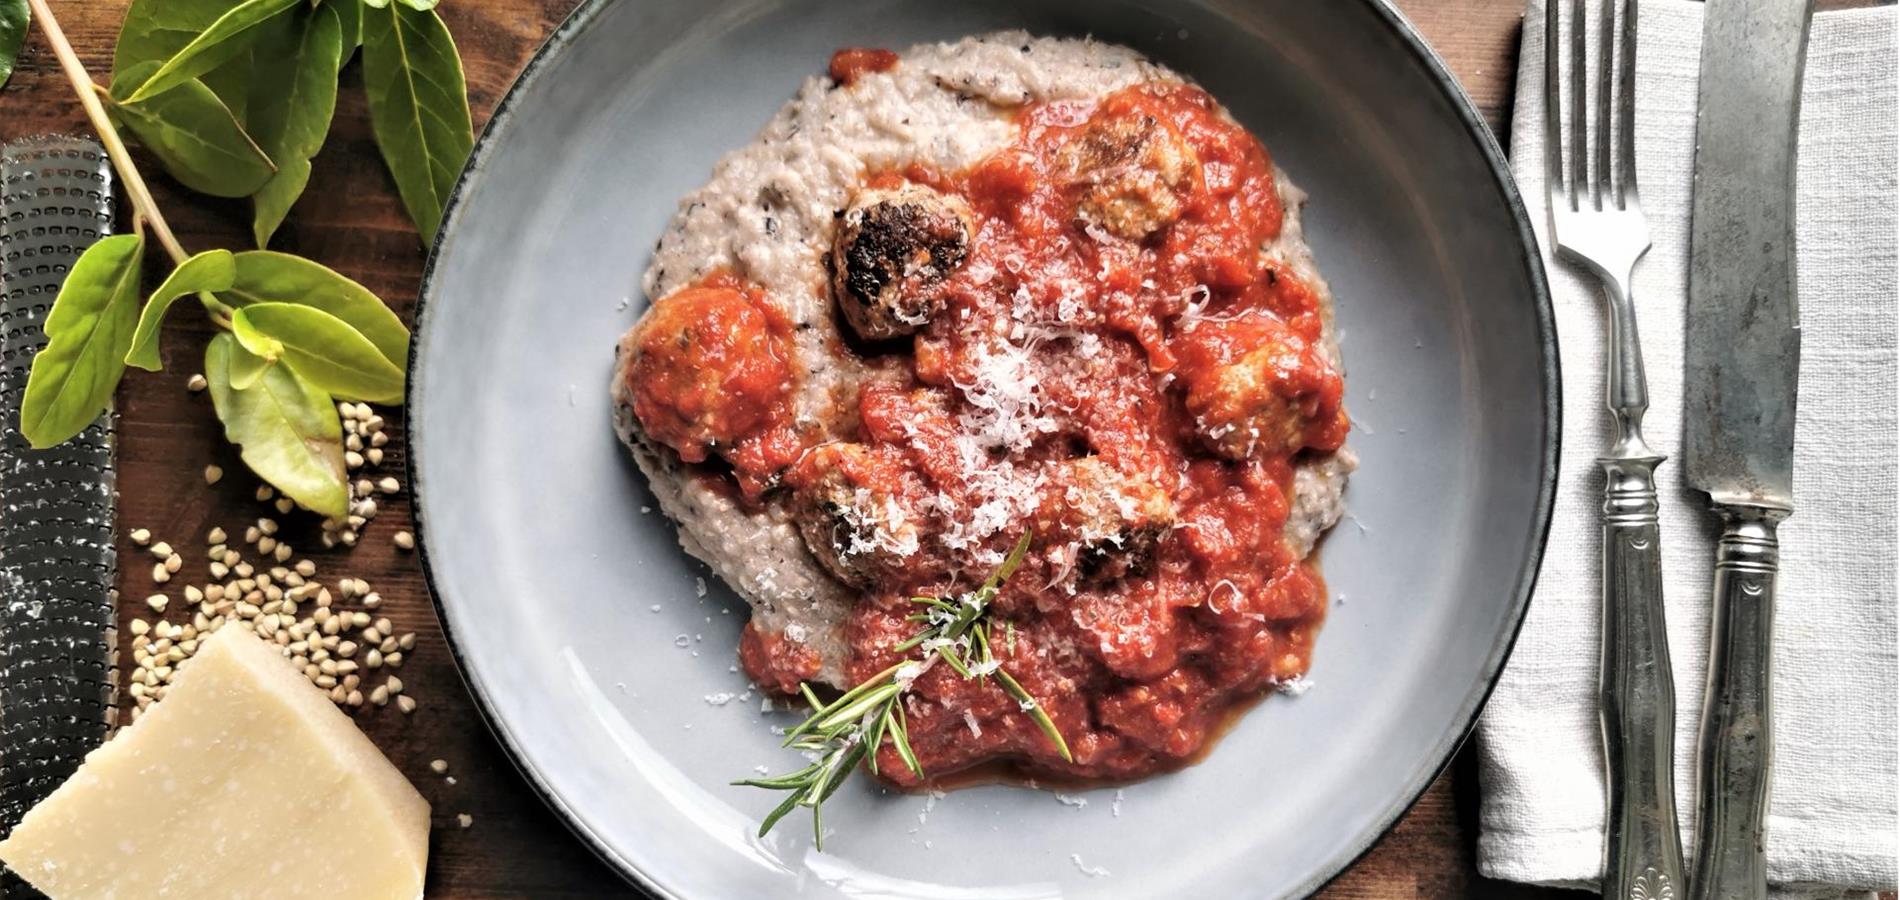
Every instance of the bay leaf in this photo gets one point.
(265, 276)
(421, 5)
(321, 347)
(286, 429)
(293, 98)
(88, 331)
(214, 46)
(349, 13)
(246, 368)
(154, 30)
(212, 270)
(14, 18)
(231, 81)
(195, 137)
(418, 106)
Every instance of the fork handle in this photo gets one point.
(1642, 846)
(1737, 741)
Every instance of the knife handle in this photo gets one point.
(1642, 845)
(1737, 736)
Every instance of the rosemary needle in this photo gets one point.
(849, 730)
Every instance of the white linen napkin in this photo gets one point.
(1832, 815)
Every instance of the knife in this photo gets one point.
(1743, 350)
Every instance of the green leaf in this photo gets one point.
(293, 97)
(212, 270)
(231, 81)
(195, 137)
(264, 276)
(321, 347)
(260, 345)
(418, 105)
(155, 30)
(272, 202)
(87, 333)
(212, 47)
(247, 368)
(349, 14)
(285, 427)
(14, 16)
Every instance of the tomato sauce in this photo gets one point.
(1116, 332)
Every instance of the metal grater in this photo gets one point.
(57, 562)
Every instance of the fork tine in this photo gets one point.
(1579, 76)
(1601, 187)
(1553, 105)
(1626, 109)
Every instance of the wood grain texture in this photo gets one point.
(351, 220)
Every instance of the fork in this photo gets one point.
(1596, 219)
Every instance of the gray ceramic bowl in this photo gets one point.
(576, 617)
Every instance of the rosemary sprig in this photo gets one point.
(847, 731)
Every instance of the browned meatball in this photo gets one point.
(705, 368)
(1241, 412)
(1252, 385)
(892, 247)
(1137, 171)
(856, 509)
(1117, 520)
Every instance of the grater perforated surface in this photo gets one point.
(57, 561)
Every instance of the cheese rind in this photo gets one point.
(245, 781)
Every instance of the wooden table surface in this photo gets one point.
(350, 220)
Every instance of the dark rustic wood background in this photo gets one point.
(350, 219)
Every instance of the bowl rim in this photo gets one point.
(1443, 752)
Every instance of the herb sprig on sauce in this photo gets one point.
(840, 735)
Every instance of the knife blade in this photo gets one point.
(1743, 339)
(1741, 360)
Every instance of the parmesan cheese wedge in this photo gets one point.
(245, 781)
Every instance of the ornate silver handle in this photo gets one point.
(1737, 741)
(1642, 846)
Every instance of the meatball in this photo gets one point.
(857, 509)
(892, 248)
(1117, 520)
(1136, 172)
(1253, 386)
(707, 369)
